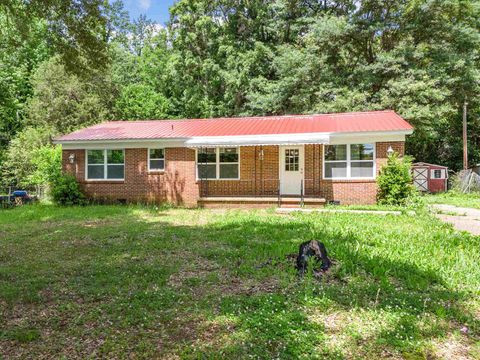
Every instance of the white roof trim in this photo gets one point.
(252, 140)
(243, 140)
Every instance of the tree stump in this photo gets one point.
(317, 250)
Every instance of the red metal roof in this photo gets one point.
(373, 121)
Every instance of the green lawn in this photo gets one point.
(134, 282)
(454, 198)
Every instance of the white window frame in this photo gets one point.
(217, 163)
(442, 174)
(105, 165)
(349, 162)
(164, 161)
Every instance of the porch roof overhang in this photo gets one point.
(243, 140)
(255, 140)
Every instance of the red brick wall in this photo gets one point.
(177, 184)
(256, 176)
(345, 191)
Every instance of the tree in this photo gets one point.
(141, 30)
(117, 23)
(140, 101)
(74, 28)
(47, 164)
(237, 57)
(19, 163)
(64, 101)
(17, 65)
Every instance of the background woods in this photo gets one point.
(69, 64)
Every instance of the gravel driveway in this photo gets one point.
(464, 219)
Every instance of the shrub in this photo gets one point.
(395, 182)
(66, 191)
(47, 164)
(18, 164)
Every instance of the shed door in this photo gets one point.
(420, 178)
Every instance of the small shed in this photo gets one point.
(430, 177)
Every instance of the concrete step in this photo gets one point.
(253, 201)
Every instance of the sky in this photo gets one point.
(156, 10)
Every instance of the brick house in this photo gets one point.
(254, 161)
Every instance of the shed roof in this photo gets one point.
(428, 164)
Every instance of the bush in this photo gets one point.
(395, 183)
(18, 164)
(66, 191)
(47, 164)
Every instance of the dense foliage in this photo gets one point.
(395, 181)
(65, 190)
(229, 58)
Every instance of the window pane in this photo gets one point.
(361, 152)
(95, 172)
(336, 170)
(291, 159)
(114, 156)
(229, 171)
(95, 157)
(207, 155)
(228, 155)
(157, 153)
(362, 169)
(335, 152)
(115, 171)
(207, 171)
(157, 164)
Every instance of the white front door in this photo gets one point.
(291, 169)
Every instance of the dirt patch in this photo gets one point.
(238, 286)
(199, 268)
(99, 223)
(452, 348)
(196, 279)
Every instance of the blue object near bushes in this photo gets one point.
(20, 193)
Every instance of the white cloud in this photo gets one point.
(144, 4)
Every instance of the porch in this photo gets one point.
(261, 176)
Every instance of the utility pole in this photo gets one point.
(465, 147)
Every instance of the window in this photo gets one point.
(96, 164)
(156, 159)
(335, 161)
(105, 164)
(292, 157)
(207, 163)
(354, 161)
(361, 156)
(438, 174)
(228, 163)
(218, 163)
